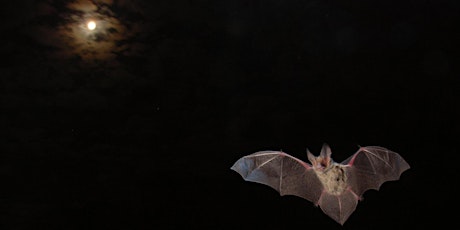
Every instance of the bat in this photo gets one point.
(335, 187)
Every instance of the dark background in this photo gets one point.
(148, 142)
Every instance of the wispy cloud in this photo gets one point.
(51, 54)
(69, 37)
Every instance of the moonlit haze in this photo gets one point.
(92, 31)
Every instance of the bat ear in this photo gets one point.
(325, 151)
(311, 158)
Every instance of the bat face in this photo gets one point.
(323, 161)
(335, 187)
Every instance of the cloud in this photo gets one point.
(68, 36)
(84, 6)
(50, 58)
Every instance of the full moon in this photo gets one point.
(91, 25)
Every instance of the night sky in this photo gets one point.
(135, 125)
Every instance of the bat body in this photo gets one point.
(335, 187)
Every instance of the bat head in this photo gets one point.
(323, 161)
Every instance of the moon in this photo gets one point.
(91, 25)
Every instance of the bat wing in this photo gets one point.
(371, 166)
(286, 174)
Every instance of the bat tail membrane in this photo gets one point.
(338, 207)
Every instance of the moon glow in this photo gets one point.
(91, 25)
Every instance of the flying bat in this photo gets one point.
(335, 187)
